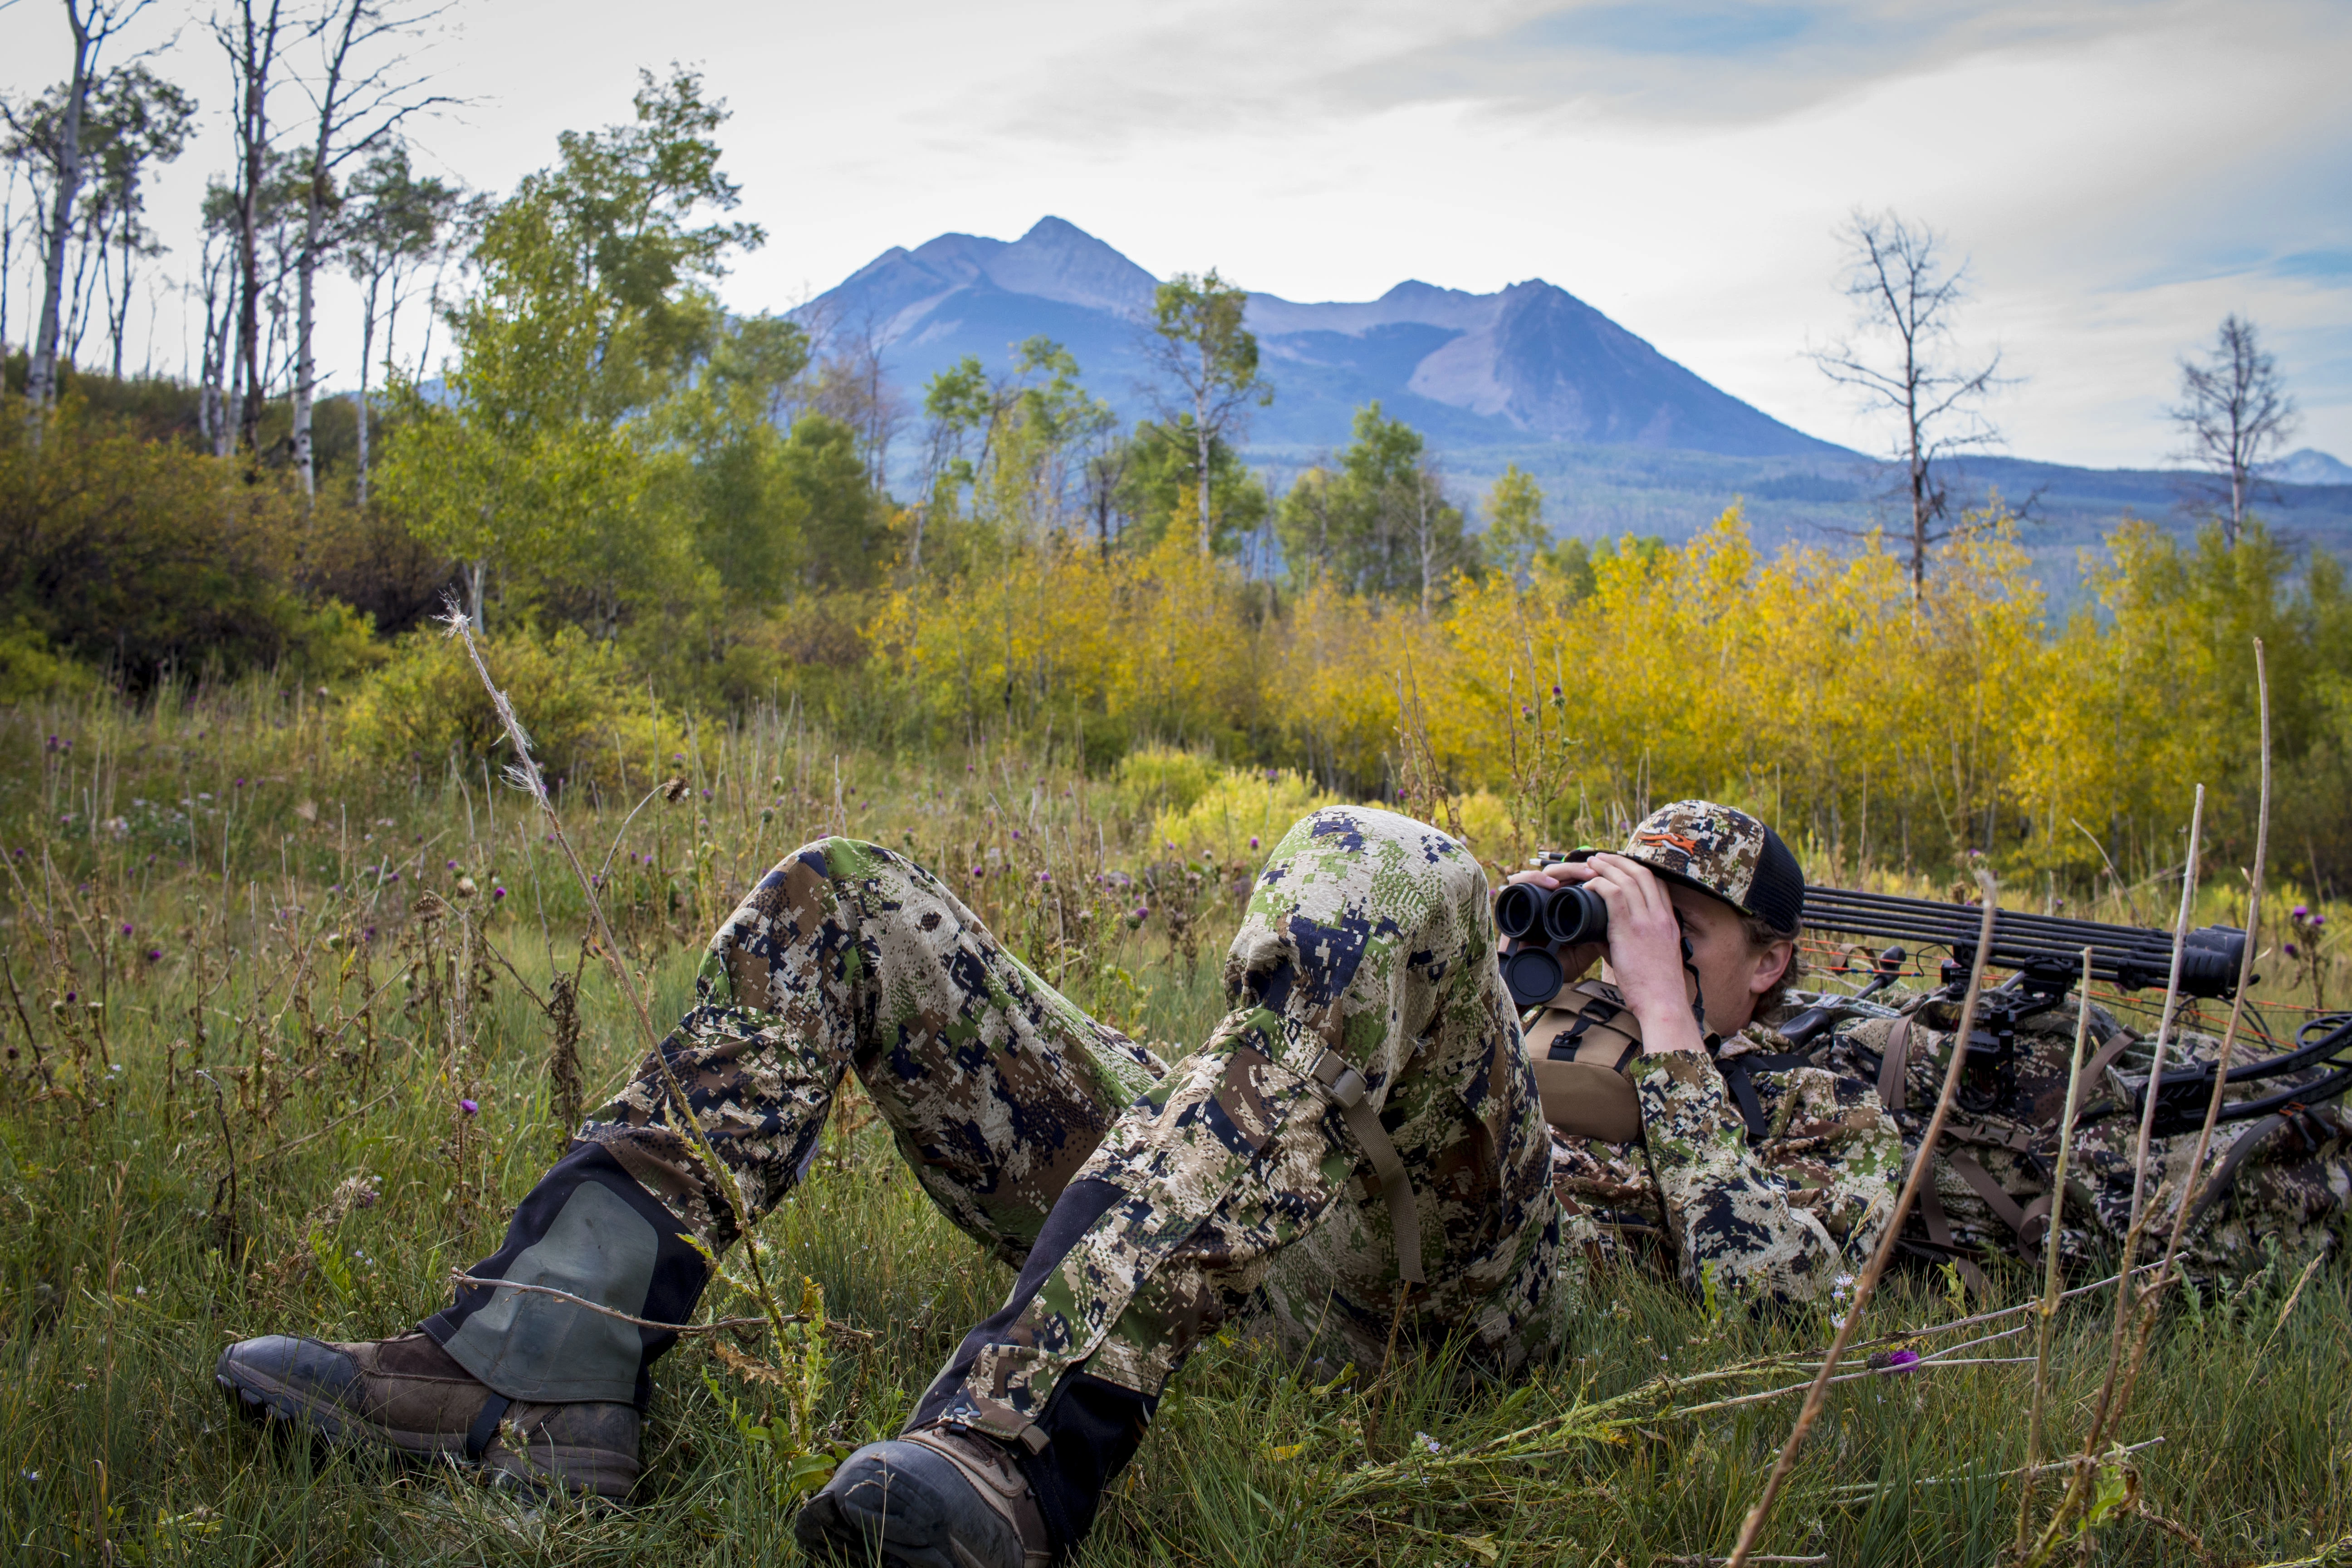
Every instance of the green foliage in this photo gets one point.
(580, 702)
(1152, 779)
(1212, 359)
(145, 555)
(1159, 490)
(30, 670)
(1378, 523)
(555, 462)
(1010, 460)
(1566, 568)
(1514, 532)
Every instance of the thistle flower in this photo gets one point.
(468, 1107)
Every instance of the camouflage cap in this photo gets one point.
(1725, 852)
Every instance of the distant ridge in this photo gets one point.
(1531, 362)
(2308, 466)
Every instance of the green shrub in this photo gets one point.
(28, 669)
(1166, 778)
(143, 557)
(587, 715)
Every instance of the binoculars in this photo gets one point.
(1568, 915)
(1539, 917)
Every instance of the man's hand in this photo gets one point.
(1645, 946)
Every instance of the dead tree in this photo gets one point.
(1904, 298)
(2234, 413)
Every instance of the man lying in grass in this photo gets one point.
(1358, 1151)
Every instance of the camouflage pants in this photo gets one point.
(1231, 1185)
(849, 957)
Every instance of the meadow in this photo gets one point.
(290, 1027)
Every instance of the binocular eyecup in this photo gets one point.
(1568, 915)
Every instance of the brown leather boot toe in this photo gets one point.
(408, 1395)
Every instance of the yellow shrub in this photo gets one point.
(588, 718)
(1166, 778)
(1241, 814)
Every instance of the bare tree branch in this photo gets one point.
(1904, 290)
(2234, 413)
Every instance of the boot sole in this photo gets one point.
(831, 1530)
(262, 1399)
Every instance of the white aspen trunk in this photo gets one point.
(1421, 485)
(306, 269)
(474, 590)
(41, 374)
(1201, 434)
(306, 261)
(359, 410)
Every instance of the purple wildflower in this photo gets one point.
(496, 893)
(2303, 912)
(126, 928)
(468, 1107)
(1252, 840)
(154, 956)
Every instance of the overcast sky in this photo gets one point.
(2118, 174)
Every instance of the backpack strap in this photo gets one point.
(1939, 1234)
(1892, 1064)
(1348, 1088)
(1737, 1076)
(2026, 1220)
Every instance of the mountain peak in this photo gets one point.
(1057, 259)
(1528, 361)
(2308, 466)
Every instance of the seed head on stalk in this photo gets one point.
(525, 774)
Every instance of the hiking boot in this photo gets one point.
(939, 1498)
(408, 1395)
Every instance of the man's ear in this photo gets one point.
(1771, 966)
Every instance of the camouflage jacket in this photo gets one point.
(1785, 1214)
(1810, 1197)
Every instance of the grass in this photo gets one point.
(258, 1129)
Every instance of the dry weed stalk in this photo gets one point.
(525, 774)
(2047, 1310)
(2136, 1310)
(2171, 1001)
(1922, 1170)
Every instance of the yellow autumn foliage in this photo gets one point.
(1808, 686)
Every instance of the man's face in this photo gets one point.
(1732, 974)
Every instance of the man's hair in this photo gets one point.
(1760, 934)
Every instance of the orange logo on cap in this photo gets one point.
(1687, 846)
